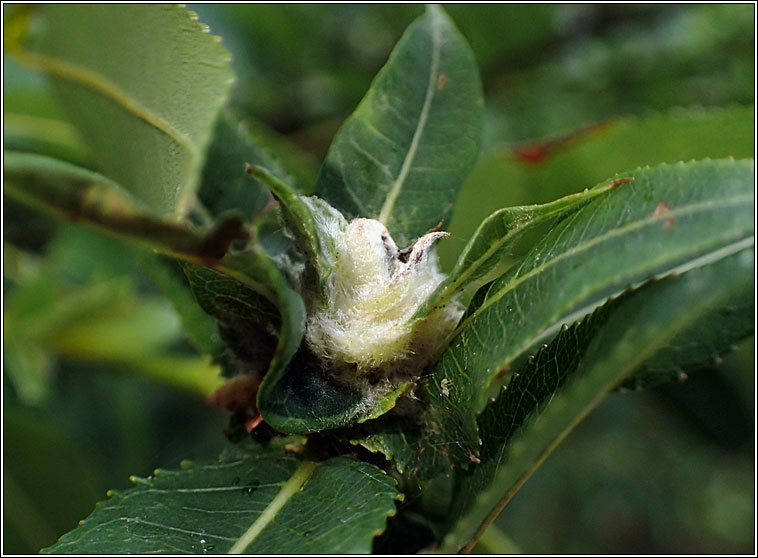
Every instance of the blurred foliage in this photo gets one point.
(640, 476)
(647, 473)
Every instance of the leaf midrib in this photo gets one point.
(620, 231)
(288, 490)
(397, 186)
(104, 87)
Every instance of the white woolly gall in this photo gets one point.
(363, 321)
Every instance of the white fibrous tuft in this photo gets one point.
(363, 321)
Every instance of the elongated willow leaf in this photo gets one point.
(404, 153)
(484, 256)
(568, 378)
(670, 219)
(145, 99)
(264, 503)
(673, 218)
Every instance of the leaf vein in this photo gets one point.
(394, 192)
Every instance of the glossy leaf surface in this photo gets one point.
(485, 255)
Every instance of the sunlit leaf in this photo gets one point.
(145, 99)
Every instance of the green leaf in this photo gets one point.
(302, 217)
(306, 399)
(670, 219)
(247, 322)
(225, 186)
(238, 142)
(413, 138)
(704, 344)
(568, 378)
(32, 119)
(484, 256)
(618, 240)
(256, 263)
(575, 159)
(297, 167)
(266, 503)
(145, 99)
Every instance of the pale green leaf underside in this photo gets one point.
(569, 377)
(145, 99)
(404, 153)
(268, 503)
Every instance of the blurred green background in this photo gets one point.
(92, 350)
